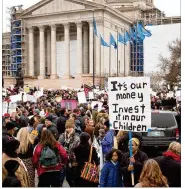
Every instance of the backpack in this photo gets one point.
(48, 157)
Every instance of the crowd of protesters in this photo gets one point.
(70, 133)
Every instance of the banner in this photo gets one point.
(81, 97)
(129, 103)
(69, 104)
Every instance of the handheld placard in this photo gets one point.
(130, 142)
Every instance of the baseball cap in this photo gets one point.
(10, 126)
(6, 115)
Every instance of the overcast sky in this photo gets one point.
(170, 7)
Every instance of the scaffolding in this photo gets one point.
(6, 55)
(17, 40)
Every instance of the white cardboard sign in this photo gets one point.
(15, 98)
(81, 97)
(12, 107)
(91, 95)
(5, 107)
(129, 103)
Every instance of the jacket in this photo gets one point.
(140, 158)
(61, 124)
(69, 143)
(171, 169)
(21, 172)
(111, 175)
(108, 142)
(54, 130)
(36, 156)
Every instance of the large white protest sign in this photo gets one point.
(129, 103)
(31, 98)
(91, 95)
(81, 97)
(15, 98)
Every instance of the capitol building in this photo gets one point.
(54, 41)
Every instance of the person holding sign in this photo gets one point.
(137, 161)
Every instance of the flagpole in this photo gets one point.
(124, 55)
(117, 53)
(109, 58)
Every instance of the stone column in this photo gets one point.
(79, 49)
(91, 46)
(42, 53)
(31, 52)
(98, 49)
(48, 51)
(67, 50)
(86, 50)
(53, 53)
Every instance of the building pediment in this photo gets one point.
(54, 6)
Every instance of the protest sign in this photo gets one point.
(170, 94)
(15, 98)
(129, 103)
(4, 92)
(81, 97)
(58, 98)
(12, 107)
(5, 107)
(69, 104)
(91, 95)
(31, 98)
(26, 89)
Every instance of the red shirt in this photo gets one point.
(37, 154)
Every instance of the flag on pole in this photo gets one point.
(144, 31)
(132, 34)
(103, 43)
(87, 89)
(113, 42)
(121, 38)
(139, 32)
(95, 28)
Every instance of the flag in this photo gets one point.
(145, 32)
(87, 89)
(121, 38)
(113, 42)
(95, 28)
(103, 43)
(132, 34)
(139, 32)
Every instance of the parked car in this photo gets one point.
(164, 130)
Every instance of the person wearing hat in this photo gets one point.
(137, 160)
(36, 112)
(51, 126)
(8, 131)
(11, 180)
(6, 119)
(69, 140)
(11, 150)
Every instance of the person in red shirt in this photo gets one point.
(49, 176)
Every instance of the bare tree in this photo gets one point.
(156, 80)
(171, 67)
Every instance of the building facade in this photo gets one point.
(58, 46)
